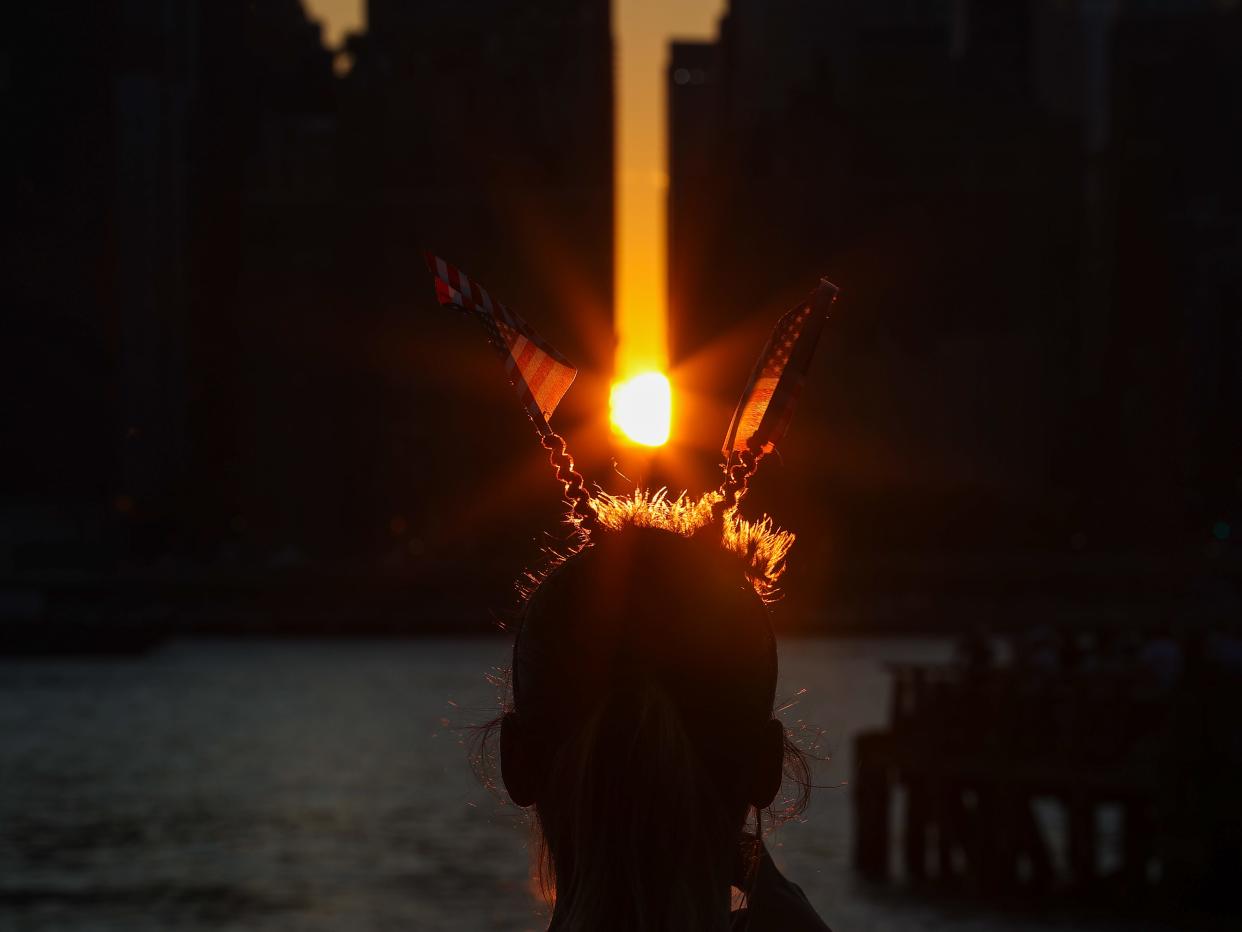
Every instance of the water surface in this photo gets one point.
(302, 785)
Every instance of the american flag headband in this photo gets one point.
(541, 376)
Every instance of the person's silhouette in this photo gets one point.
(642, 736)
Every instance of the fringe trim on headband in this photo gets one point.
(762, 547)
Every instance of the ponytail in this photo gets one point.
(633, 824)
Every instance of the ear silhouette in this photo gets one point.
(518, 762)
(769, 765)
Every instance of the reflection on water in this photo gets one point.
(325, 786)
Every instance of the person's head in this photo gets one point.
(641, 730)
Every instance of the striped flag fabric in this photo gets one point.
(767, 404)
(538, 373)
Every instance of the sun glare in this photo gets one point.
(642, 408)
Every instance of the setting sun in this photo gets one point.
(642, 408)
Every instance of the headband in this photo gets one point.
(541, 376)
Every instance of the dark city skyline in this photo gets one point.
(226, 357)
(223, 243)
(1031, 332)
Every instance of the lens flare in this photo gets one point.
(642, 408)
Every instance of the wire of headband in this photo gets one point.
(576, 492)
(736, 484)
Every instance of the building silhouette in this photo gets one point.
(226, 353)
(1029, 212)
(224, 359)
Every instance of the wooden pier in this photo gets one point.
(1003, 781)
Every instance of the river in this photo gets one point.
(273, 786)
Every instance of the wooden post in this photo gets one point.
(1081, 839)
(1136, 843)
(871, 803)
(914, 845)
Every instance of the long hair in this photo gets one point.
(635, 834)
(644, 671)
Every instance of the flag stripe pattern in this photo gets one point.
(538, 373)
(767, 404)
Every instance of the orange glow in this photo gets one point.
(643, 30)
(642, 408)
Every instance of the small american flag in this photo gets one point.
(767, 404)
(538, 373)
